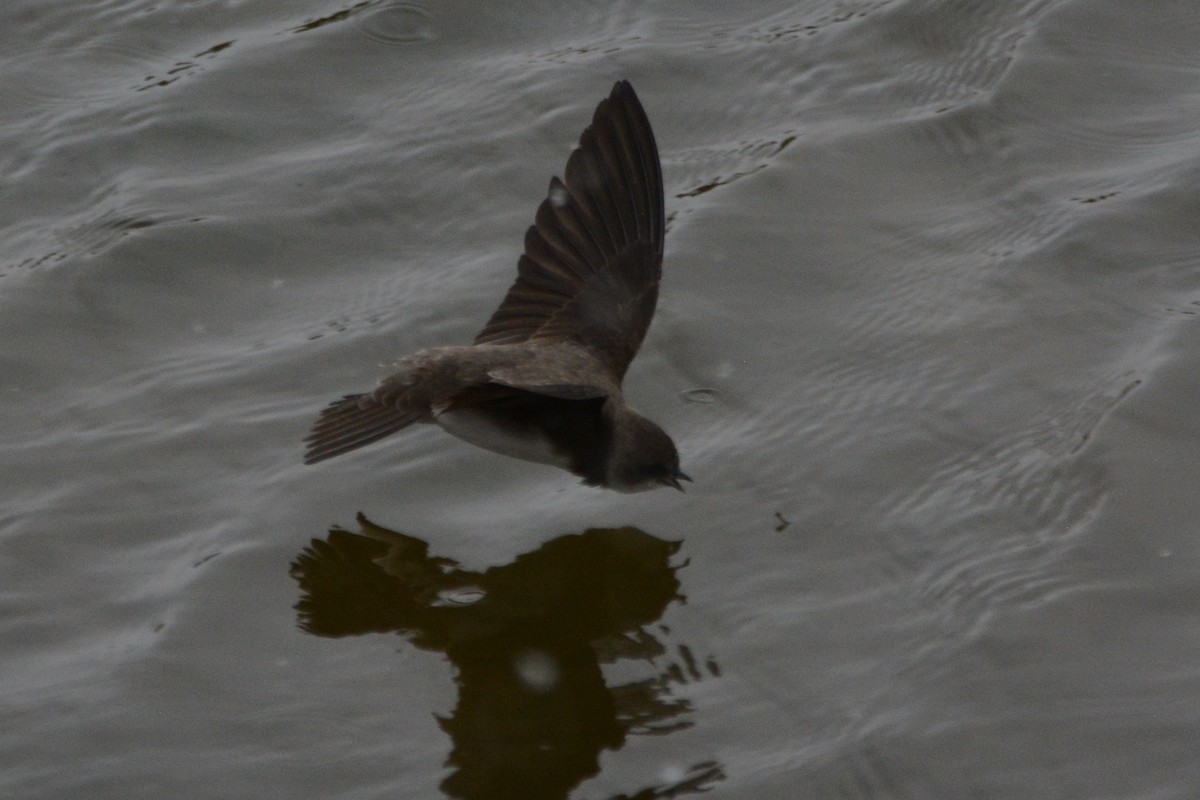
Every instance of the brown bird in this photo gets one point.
(542, 382)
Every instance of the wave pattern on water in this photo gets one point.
(927, 266)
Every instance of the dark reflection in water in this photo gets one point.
(527, 640)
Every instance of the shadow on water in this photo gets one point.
(527, 640)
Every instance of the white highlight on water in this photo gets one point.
(537, 670)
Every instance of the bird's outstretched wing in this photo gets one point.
(593, 257)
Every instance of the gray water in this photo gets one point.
(927, 339)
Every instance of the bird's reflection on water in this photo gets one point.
(527, 640)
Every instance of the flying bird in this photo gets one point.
(542, 381)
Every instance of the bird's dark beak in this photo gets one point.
(674, 480)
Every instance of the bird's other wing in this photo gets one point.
(593, 257)
(560, 369)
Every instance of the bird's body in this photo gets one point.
(543, 380)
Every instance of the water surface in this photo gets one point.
(927, 339)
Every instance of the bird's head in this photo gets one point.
(642, 457)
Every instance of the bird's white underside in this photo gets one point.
(480, 430)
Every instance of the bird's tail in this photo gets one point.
(350, 423)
